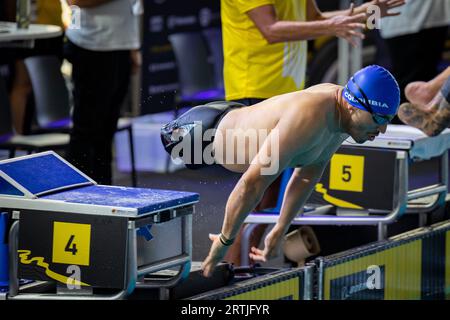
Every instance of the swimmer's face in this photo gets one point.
(363, 126)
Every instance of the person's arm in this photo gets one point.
(247, 193)
(298, 190)
(250, 188)
(274, 30)
(243, 199)
(87, 3)
(385, 6)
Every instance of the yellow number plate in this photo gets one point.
(347, 173)
(71, 243)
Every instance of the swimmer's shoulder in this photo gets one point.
(323, 88)
(319, 96)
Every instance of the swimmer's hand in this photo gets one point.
(216, 254)
(272, 245)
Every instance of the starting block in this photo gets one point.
(68, 230)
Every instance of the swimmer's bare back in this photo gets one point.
(307, 116)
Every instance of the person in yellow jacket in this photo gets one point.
(265, 48)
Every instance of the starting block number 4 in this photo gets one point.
(347, 173)
(71, 243)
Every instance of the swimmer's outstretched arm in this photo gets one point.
(243, 199)
(298, 190)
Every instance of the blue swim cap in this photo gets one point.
(373, 89)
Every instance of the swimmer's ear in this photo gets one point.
(352, 109)
(347, 106)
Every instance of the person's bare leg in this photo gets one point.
(19, 95)
(421, 93)
(431, 119)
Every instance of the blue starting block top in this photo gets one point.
(47, 182)
(40, 174)
(143, 200)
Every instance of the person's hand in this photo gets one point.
(386, 5)
(347, 26)
(272, 245)
(136, 61)
(216, 254)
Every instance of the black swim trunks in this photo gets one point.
(188, 137)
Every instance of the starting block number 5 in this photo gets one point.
(71, 243)
(347, 173)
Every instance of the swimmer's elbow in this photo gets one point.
(312, 173)
(251, 188)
